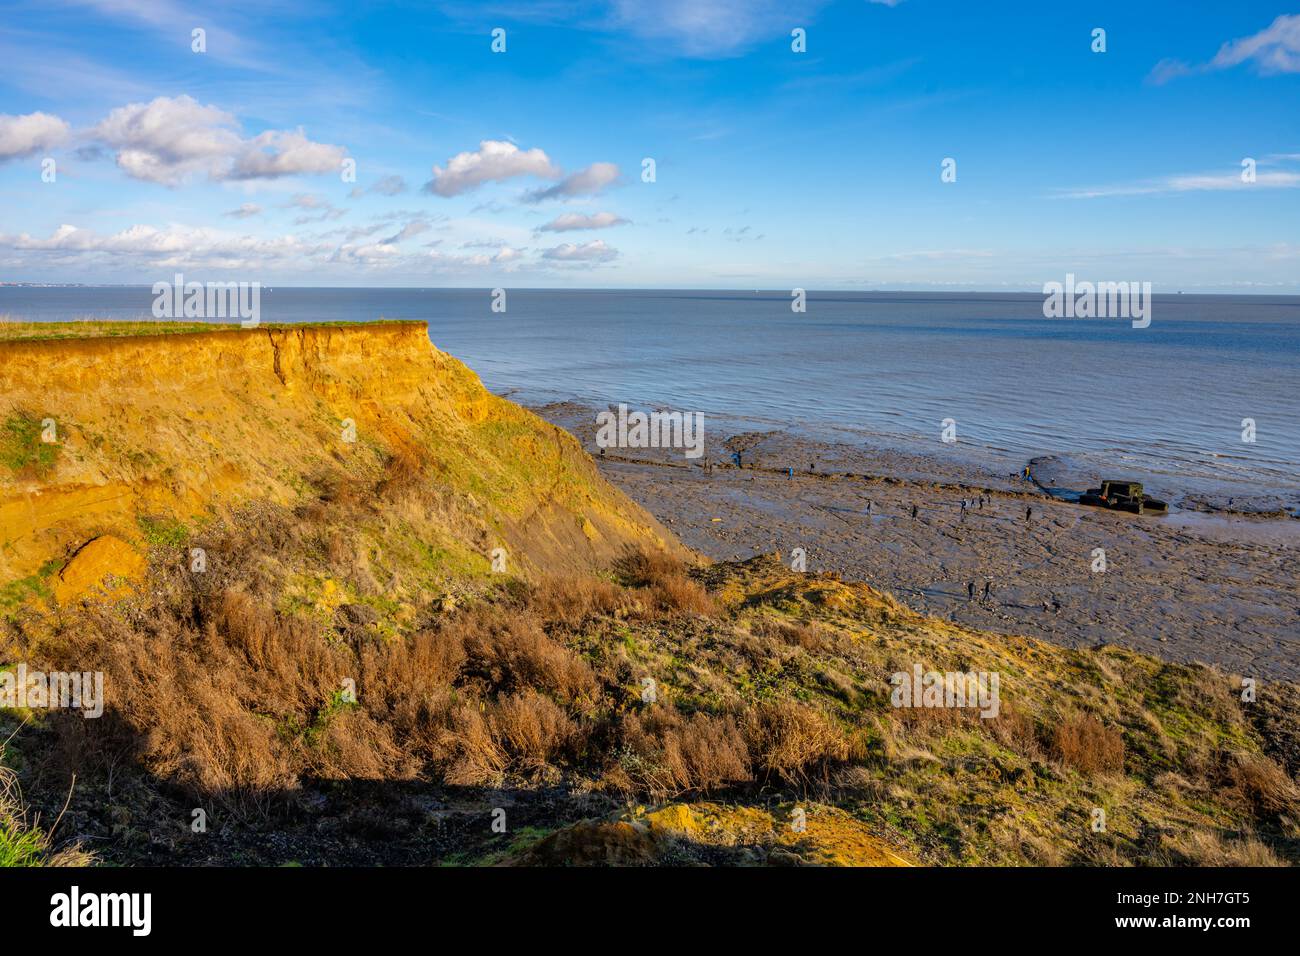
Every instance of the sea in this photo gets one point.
(1206, 399)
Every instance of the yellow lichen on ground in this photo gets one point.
(807, 835)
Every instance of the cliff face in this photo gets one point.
(174, 428)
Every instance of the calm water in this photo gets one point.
(1166, 401)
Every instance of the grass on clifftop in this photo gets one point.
(12, 330)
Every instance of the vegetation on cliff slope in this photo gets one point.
(771, 695)
(346, 680)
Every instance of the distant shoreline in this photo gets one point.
(1028, 290)
(776, 449)
(1192, 586)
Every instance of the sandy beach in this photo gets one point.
(1189, 586)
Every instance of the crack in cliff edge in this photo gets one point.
(275, 349)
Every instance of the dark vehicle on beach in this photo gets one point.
(1123, 496)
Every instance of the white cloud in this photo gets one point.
(370, 253)
(1167, 70)
(494, 161)
(1275, 49)
(694, 28)
(585, 182)
(245, 211)
(718, 28)
(1195, 182)
(168, 139)
(506, 259)
(592, 252)
(573, 220)
(30, 134)
(387, 186)
(410, 230)
(277, 153)
(315, 208)
(170, 247)
(144, 250)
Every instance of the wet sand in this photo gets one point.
(1189, 586)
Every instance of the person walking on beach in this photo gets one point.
(1029, 512)
(988, 589)
(914, 511)
(970, 590)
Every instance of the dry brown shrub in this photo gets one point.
(927, 722)
(1083, 743)
(678, 594)
(340, 553)
(403, 474)
(342, 491)
(510, 652)
(792, 740)
(665, 753)
(244, 704)
(1014, 730)
(473, 756)
(808, 636)
(645, 568)
(420, 667)
(525, 733)
(407, 684)
(1212, 848)
(669, 588)
(572, 599)
(533, 730)
(1260, 785)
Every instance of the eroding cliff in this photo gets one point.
(124, 434)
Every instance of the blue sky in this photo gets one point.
(774, 168)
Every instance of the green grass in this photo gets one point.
(16, 593)
(21, 449)
(20, 846)
(515, 843)
(163, 532)
(20, 843)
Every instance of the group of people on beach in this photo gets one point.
(976, 503)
